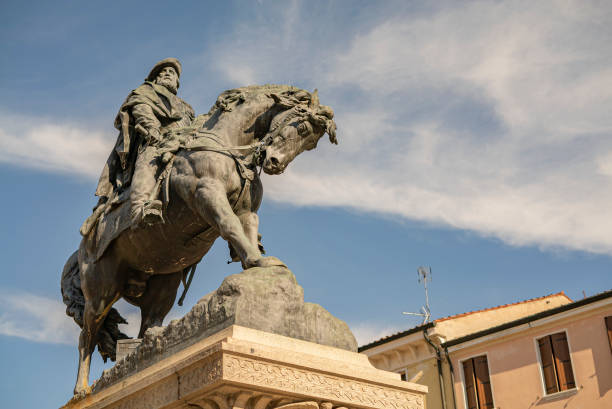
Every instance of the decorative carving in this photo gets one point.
(221, 400)
(200, 375)
(265, 374)
(158, 395)
(241, 400)
(261, 402)
(204, 404)
(300, 405)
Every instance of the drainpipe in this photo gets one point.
(452, 374)
(440, 374)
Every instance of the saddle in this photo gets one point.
(113, 217)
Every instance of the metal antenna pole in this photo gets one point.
(423, 274)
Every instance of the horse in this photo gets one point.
(213, 190)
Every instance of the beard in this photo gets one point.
(170, 84)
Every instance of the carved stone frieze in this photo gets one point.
(295, 380)
(197, 376)
(155, 396)
(300, 405)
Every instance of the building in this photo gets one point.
(547, 352)
(558, 358)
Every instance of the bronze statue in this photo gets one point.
(205, 179)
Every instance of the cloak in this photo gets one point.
(167, 108)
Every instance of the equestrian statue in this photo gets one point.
(172, 185)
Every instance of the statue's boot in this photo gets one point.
(147, 213)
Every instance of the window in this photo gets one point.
(609, 327)
(556, 363)
(477, 383)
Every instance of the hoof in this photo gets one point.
(80, 393)
(269, 262)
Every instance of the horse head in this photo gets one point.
(298, 127)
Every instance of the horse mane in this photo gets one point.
(228, 100)
(286, 97)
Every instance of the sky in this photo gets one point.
(474, 137)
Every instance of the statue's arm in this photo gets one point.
(146, 122)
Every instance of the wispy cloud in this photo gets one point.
(46, 144)
(42, 319)
(486, 116)
(36, 318)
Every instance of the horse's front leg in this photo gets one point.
(250, 225)
(215, 209)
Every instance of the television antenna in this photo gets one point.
(424, 275)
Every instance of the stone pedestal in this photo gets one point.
(245, 368)
(126, 347)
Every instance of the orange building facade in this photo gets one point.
(561, 358)
(543, 353)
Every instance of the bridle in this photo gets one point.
(258, 148)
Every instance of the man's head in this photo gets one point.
(168, 77)
(166, 73)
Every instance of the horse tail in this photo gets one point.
(71, 289)
(73, 297)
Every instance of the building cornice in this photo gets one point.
(394, 337)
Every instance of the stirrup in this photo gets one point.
(149, 214)
(152, 216)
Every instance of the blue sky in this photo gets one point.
(475, 137)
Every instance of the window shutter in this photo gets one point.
(563, 362)
(609, 327)
(470, 387)
(548, 365)
(483, 383)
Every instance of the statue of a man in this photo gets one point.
(147, 114)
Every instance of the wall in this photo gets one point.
(514, 368)
(430, 379)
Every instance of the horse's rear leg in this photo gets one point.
(157, 300)
(101, 291)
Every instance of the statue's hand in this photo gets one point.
(154, 137)
(166, 157)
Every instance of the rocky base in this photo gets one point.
(266, 299)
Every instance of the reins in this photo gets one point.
(195, 144)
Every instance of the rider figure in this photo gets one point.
(147, 114)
